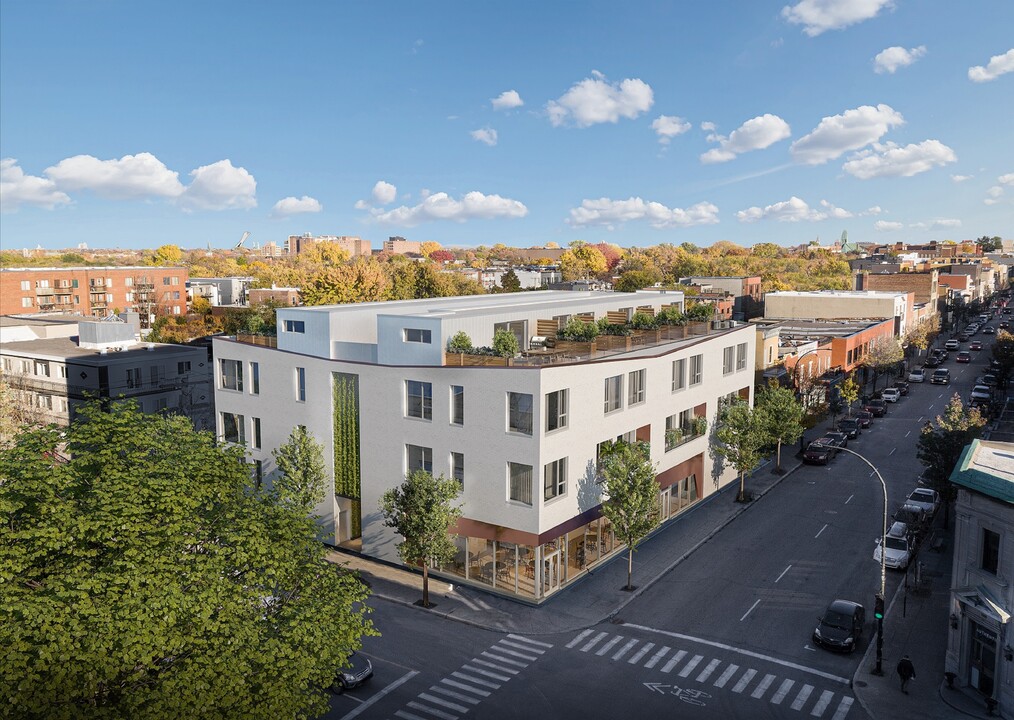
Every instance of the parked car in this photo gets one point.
(841, 626)
(891, 394)
(917, 375)
(899, 550)
(818, 453)
(975, 345)
(865, 418)
(902, 386)
(1004, 325)
(926, 499)
(963, 357)
(914, 516)
(941, 376)
(988, 330)
(941, 353)
(851, 428)
(981, 392)
(838, 439)
(987, 379)
(962, 337)
(359, 670)
(952, 344)
(933, 361)
(877, 406)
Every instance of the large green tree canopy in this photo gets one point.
(142, 577)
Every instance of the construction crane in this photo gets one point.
(242, 240)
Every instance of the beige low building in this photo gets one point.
(842, 305)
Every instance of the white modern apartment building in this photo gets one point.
(374, 385)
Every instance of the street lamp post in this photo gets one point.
(878, 670)
(799, 376)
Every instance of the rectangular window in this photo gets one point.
(301, 384)
(741, 356)
(635, 387)
(183, 367)
(458, 468)
(457, 405)
(129, 282)
(232, 374)
(295, 326)
(613, 393)
(556, 410)
(63, 371)
(728, 355)
(134, 379)
(26, 284)
(42, 368)
(8, 365)
(419, 458)
(258, 473)
(129, 297)
(61, 404)
(990, 551)
(255, 378)
(679, 374)
(176, 295)
(520, 483)
(257, 432)
(175, 280)
(26, 366)
(696, 369)
(554, 481)
(233, 428)
(419, 399)
(520, 415)
(42, 283)
(163, 404)
(26, 302)
(165, 280)
(418, 335)
(45, 402)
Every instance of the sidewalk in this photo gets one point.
(916, 624)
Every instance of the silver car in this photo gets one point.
(926, 499)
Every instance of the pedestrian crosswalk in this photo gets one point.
(719, 673)
(463, 689)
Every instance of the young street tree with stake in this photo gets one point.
(740, 441)
(779, 418)
(941, 444)
(849, 392)
(143, 577)
(627, 476)
(301, 464)
(421, 510)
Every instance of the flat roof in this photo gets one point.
(67, 348)
(987, 467)
(42, 319)
(77, 268)
(838, 293)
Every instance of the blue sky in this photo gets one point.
(127, 124)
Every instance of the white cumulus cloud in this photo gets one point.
(837, 134)
(940, 224)
(18, 190)
(892, 58)
(998, 65)
(485, 135)
(887, 226)
(608, 212)
(596, 100)
(891, 160)
(707, 126)
(507, 100)
(875, 210)
(296, 206)
(384, 193)
(793, 210)
(960, 178)
(817, 16)
(1007, 179)
(441, 206)
(755, 134)
(996, 193)
(220, 186)
(669, 126)
(132, 176)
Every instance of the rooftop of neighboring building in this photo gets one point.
(876, 294)
(806, 329)
(81, 268)
(987, 467)
(67, 348)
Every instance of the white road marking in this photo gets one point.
(706, 672)
(807, 647)
(689, 668)
(843, 708)
(740, 651)
(432, 711)
(729, 672)
(920, 419)
(822, 703)
(488, 654)
(407, 716)
(802, 697)
(783, 690)
(594, 641)
(820, 531)
(579, 638)
(495, 666)
(673, 660)
(477, 681)
(756, 603)
(530, 641)
(850, 499)
(609, 645)
(908, 433)
(487, 673)
(463, 686)
(783, 574)
(440, 701)
(451, 693)
(514, 653)
(656, 657)
(641, 653)
(403, 679)
(872, 474)
(744, 681)
(762, 687)
(892, 451)
(625, 649)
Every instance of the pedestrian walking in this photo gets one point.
(906, 671)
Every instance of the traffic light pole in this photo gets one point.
(878, 607)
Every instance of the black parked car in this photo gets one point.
(902, 386)
(817, 453)
(932, 361)
(876, 406)
(865, 418)
(841, 626)
(851, 428)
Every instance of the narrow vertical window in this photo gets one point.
(301, 384)
(458, 468)
(255, 378)
(520, 488)
(613, 393)
(679, 374)
(635, 387)
(457, 405)
(556, 410)
(257, 433)
(520, 413)
(419, 399)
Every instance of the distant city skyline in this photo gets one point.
(134, 125)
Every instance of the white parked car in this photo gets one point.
(891, 394)
(981, 392)
(917, 375)
(899, 550)
(925, 498)
(952, 344)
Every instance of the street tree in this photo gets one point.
(422, 511)
(941, 443)
(300, 462)
(849, 392)
(779, 418)
(883, 358)
(739, 442)
(627, 477)
(144, 578)
(1003, 353)
(509, 282)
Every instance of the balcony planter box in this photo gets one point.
(576, 347)
(467, 360)
(700, 328)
